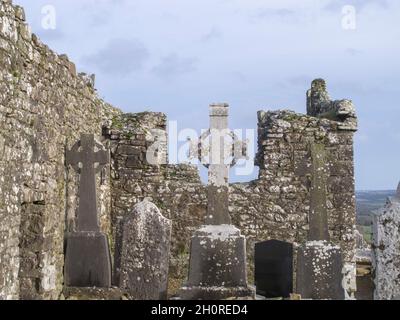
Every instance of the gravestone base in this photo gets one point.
(71, 293)
(87, 260)
(217, 268)
(216, 293)
(319, 271)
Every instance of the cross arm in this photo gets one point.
(73, 156)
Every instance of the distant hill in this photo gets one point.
(368, 202)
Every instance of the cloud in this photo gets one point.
(353, 52)
(335, 5)
(212, 35)
(361, 138)
(300, 80)
(284, 14)
(173, 65)
(119, 57)
(240, 76)
(281, 13)
(51, 35)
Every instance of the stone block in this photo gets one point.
(217, 265)
(319, 271)
(87, 260)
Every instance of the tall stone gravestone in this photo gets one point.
(217, 268)
(386, 250)
(87, 258)
(274, 269)
(319, 265)
(145, 249)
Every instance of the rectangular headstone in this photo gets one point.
(319, 271)
(274, 269)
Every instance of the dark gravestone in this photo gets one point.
(87, 257)
(274, 269)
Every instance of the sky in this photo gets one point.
(178, 56)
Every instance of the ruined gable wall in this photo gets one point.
(44, 106)
(277, 205)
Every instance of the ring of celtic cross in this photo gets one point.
(75, 149)
(235, 154)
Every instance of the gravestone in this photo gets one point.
(87, 257)
(145, 249)
(217, 268)
(319, 262)
(274, 269)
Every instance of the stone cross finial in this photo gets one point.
(83, 157)
(222, 155)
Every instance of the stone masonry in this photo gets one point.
(275, 206)
(45, 107)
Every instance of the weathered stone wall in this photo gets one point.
(276, 206)
(386, 250)
(44, 106)
(176, 190)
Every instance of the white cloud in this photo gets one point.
(119, 58)
(173, 65)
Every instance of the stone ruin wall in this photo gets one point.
(175, 189)
(44, 106)
(275, 206)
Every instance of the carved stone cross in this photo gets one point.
(318, 215)
(222, 155)
(83, 157)
(87, 258)
(319, 261)
(210, 276)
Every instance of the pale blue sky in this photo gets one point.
(177, 56)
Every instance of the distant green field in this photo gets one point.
(366, 231)
(368, 202)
